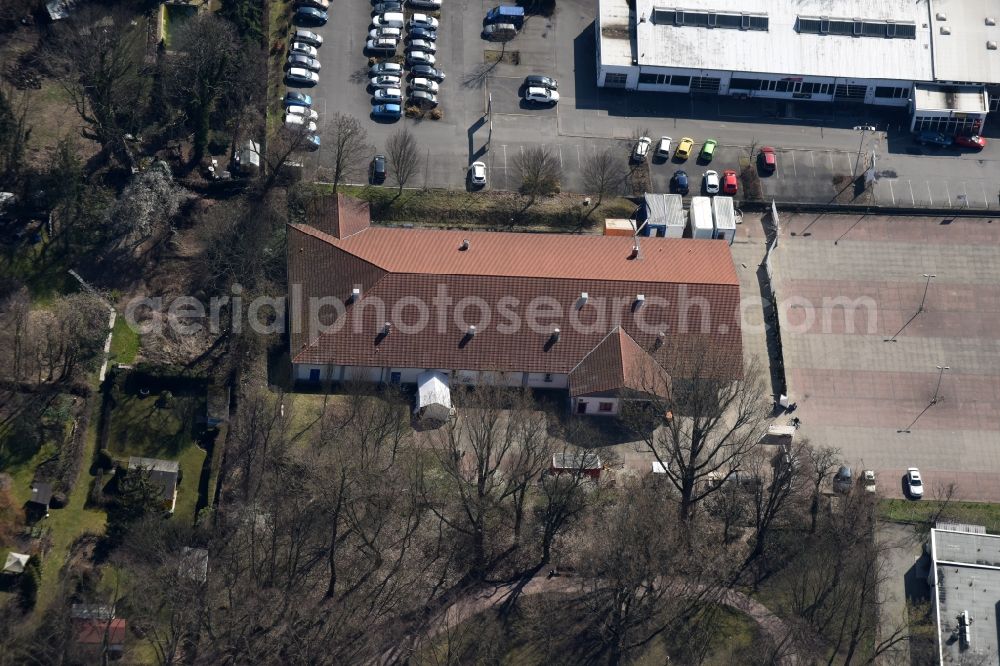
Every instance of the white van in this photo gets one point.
(388, 20)
(293, 121)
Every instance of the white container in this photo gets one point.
(702, 225)
(724, 217)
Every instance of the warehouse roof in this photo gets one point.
(961, 31)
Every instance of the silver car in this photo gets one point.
(388, 95)
(386, 81)
(422, 45)
(305, 62)
(424, 84)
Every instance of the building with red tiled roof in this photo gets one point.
(93, 637)
(592, 314)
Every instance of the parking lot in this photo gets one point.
(818, 149)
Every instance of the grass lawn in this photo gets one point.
(143, 426)
(124, 343)
(174, 15)
(501, 211)
(922, 512)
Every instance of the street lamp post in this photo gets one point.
(927, 284)
(941, 369)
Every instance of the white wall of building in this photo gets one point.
(337, 373)
(589, 405)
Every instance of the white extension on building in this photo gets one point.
(938, 58)
(433, 397)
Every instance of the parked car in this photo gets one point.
(975, 141)
(914, 483)
(310, 16)
(663, 147)
(684, 148)
(477, 174)
(301, 77)
(302, 48)
(427, 72)
(541, 95)
(386, 81)
(934, 139)
(387, 111)
(388, 95)
(303, 61)
(708, 150)
(386, 33)
(729, 183)
(420, 58)
(307, 37)
(424, 4)
(868, 480)
(388, 20)
(424, 84)
(387, 7)
(378, 169)
(641, 149)
(423, 21)
(294, 121)
(423, 33)
(383, 45)
(311, 143)
(293, 98)
(303, 111)
(500, 32)
(391, 68)
(422, 45)
(679, 183)
(318, 4)
(843, 480)
(710, 180)
(768, 160)
(540, 81)
(423, 99)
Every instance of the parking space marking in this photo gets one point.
(829, 158)
(929, 195)
(559, 146)
(913, 200)
(850, 164)
(964, 196)
(948, 192)
(892, 194)
(794, 172)
(986, 200)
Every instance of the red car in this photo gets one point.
(768, 161)
(729, 185)
(975, 141)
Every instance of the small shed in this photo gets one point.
(433, 397)
(618, 226)
(586, 463)
(16, 563)
(93, 636)
(162, 473)
(103, 612)
(41, 496)
(248, 158)
(664, 215)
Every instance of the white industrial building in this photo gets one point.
(938, 58)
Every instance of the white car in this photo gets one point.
(304, 49)
(477, 173)
(422, 45)
(641, 149)
(424, 84)
(382, 45)
(306, 113)
(663, 147)
(386, 81)
(389, 95)
(543, 95)
(711, 179)
(299, 75)
(386, 33)
(423, 21)
(388, 20)
(391, 68)
(420, 58)
(914, 484)
(293, 121)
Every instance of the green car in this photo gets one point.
(708, 150)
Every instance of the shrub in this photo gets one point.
(437, 114)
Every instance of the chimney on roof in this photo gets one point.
(386, 327)
(584, 296)
(659, 340)
(471, 331)
(355, 294)
(640, 299)
(555, 335)
(464, 246)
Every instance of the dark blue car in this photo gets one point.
(310, 16)
(387, 111)
(679, 183)
(934, 139)
(293, 98)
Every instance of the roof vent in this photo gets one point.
(639, 300)
(945, 30)
(991, 46)
(555, 333)
(990, 20)
(634, 254)
(356, 294)
(386, 327)
(941, 16)
(584, 296)
(471, 331)
(464, 246)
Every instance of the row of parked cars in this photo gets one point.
(387, 78)
(712, 183)
(302, 69)
(974, 141)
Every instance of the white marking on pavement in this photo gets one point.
(948, 192)
(986, 200)
(929, 195)
(913, 200)
(850, 164)
(812, 161)
(891, 192)
(794, 172)
(829, 158)
(506, 178)
(579, 158)
(560, 156)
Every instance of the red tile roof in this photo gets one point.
(690, 286)
(337, 215)
(618, 363)
(92, 632)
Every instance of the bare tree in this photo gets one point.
(822, 461)
(604, 173)
(714, 423)
(404, 156)
(14, 132)
(539, 171)
(146, 206)
(349, 141)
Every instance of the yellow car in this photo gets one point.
(684, 148)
